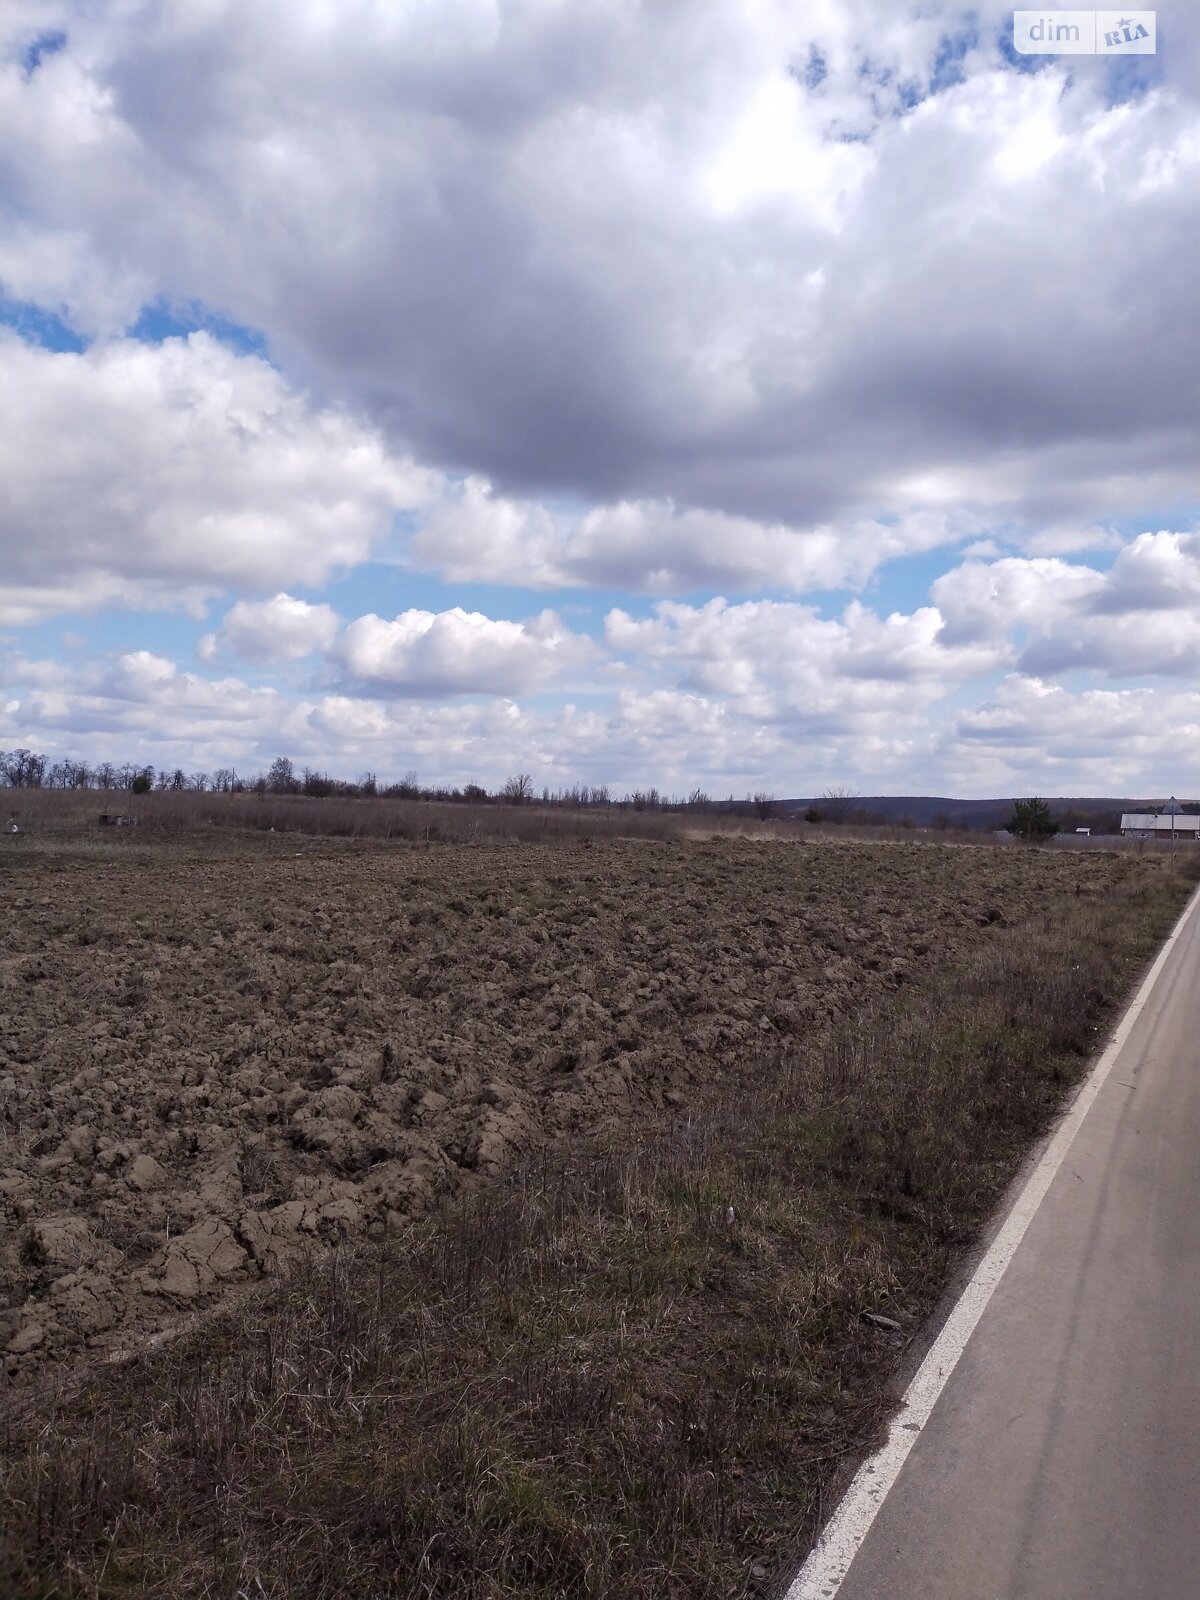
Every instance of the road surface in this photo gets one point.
(1061, 1458)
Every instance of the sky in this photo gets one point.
(744, 396)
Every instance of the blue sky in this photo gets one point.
(775, 398)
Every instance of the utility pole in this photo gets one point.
(1172, 809)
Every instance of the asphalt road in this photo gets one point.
(1061, 1461)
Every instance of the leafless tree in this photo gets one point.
(517, 789)
(22, 769)
(837, 803)
(646, 800)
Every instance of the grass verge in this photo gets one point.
(626, 1372)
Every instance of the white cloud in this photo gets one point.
(276, 630)
(554, 247)
(654, 547)
(139, 675)
(143, 475)
(783, 662)
(1157, 572)
(434, 654)
(1095, 741)
(1141, 617)
(56, 268)
(747, 302)
(141, 707)
(1066, 540)
(984, 599)
(1025, 735)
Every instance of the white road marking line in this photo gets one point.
(823, 1573)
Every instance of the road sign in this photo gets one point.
(1172, 808)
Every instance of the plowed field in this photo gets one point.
(214, 1059)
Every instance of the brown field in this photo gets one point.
(214, 1057)
(542, 1218)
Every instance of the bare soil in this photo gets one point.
(216, 1056)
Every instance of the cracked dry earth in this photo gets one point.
(218, 1055)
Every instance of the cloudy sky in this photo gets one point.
(736, 394)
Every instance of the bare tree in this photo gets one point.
(764, 804)
(68, 774)
(23, 769)
(837, 803)
(518, 789)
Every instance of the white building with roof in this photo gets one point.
(1138, 825)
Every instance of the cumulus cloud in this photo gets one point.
(1141, 617)
(655, 547)
(784, 662)
(1157, 572)
(149, 475)
(140, 707)
(1098, 741)
(744, 303)
(426, 653)
(275, 630)
(1024, 733)
(790, 264)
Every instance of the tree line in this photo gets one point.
(28, 769)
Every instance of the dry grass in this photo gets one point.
(48, 814)
(49, 817)
(631, 1372)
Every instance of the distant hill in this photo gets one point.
(1102, 813)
